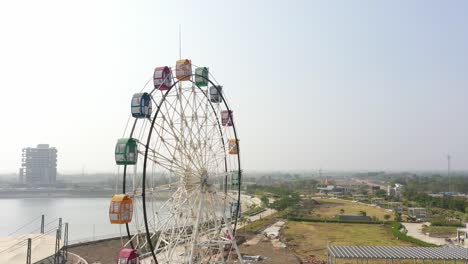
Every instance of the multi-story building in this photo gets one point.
(39, 165)
(395, 190)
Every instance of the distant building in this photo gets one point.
(333, 191)
(395, 190)
(375, 188)
(39, 165)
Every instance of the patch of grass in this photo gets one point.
(308, 238)
(322, 220)
(441, 231)
(253, 211)
(259, 225)
(328, 208)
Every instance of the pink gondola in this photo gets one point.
(162, 78)
(128, 256)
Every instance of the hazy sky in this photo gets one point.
(331, 84)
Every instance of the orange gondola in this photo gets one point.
(233, 148)
(121, 209)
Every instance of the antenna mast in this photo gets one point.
(180, 42)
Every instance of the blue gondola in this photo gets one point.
(234, 208)
(141, 105)
(215, 94)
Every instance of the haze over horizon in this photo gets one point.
(313, 84)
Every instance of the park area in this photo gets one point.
(329, 208)
(309, 239)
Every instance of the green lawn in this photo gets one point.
(308, 238)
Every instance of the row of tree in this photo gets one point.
(446, 202)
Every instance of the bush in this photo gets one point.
(443, 222)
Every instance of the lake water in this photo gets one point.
(87, 217)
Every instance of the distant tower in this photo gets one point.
(39, 165)
(448, 173)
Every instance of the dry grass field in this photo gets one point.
(307, 238)
(328, 208)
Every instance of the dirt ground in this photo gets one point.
(104, 252)
(271, 254)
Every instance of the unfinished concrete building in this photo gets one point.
(39, 165)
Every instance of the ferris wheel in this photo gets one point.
(180, 172)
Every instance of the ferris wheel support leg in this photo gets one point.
(234, 243)
(192, 250)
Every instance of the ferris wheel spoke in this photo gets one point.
(183, 119)
(213, 138)
(182, 151)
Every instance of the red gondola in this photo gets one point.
(162, 78)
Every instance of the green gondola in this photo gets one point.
(235, 178)
(126, 151)
(201, 76)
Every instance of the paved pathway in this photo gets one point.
(415, 230)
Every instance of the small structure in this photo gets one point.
(377, 201)
(234, 208)
(462, 234)
(235, 178)
(336, 195)
(417, 212)
(226, 118)
(183, 70)
(395, 190)
(394, 206)
(215, 94)
(233, 148)
(355, 253)
(331, 189)
(126, 151)
(141, 105)
(359, 197)
(201, 76)
(162, 78)
(128, 256)
(121, 209)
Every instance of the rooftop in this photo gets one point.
(436, 253)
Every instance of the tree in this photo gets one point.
(265, 201)
(363, 213)
(387, 217)
(243, 221)
(342, 211)
(398, 217)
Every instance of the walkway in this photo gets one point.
(415, 230)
